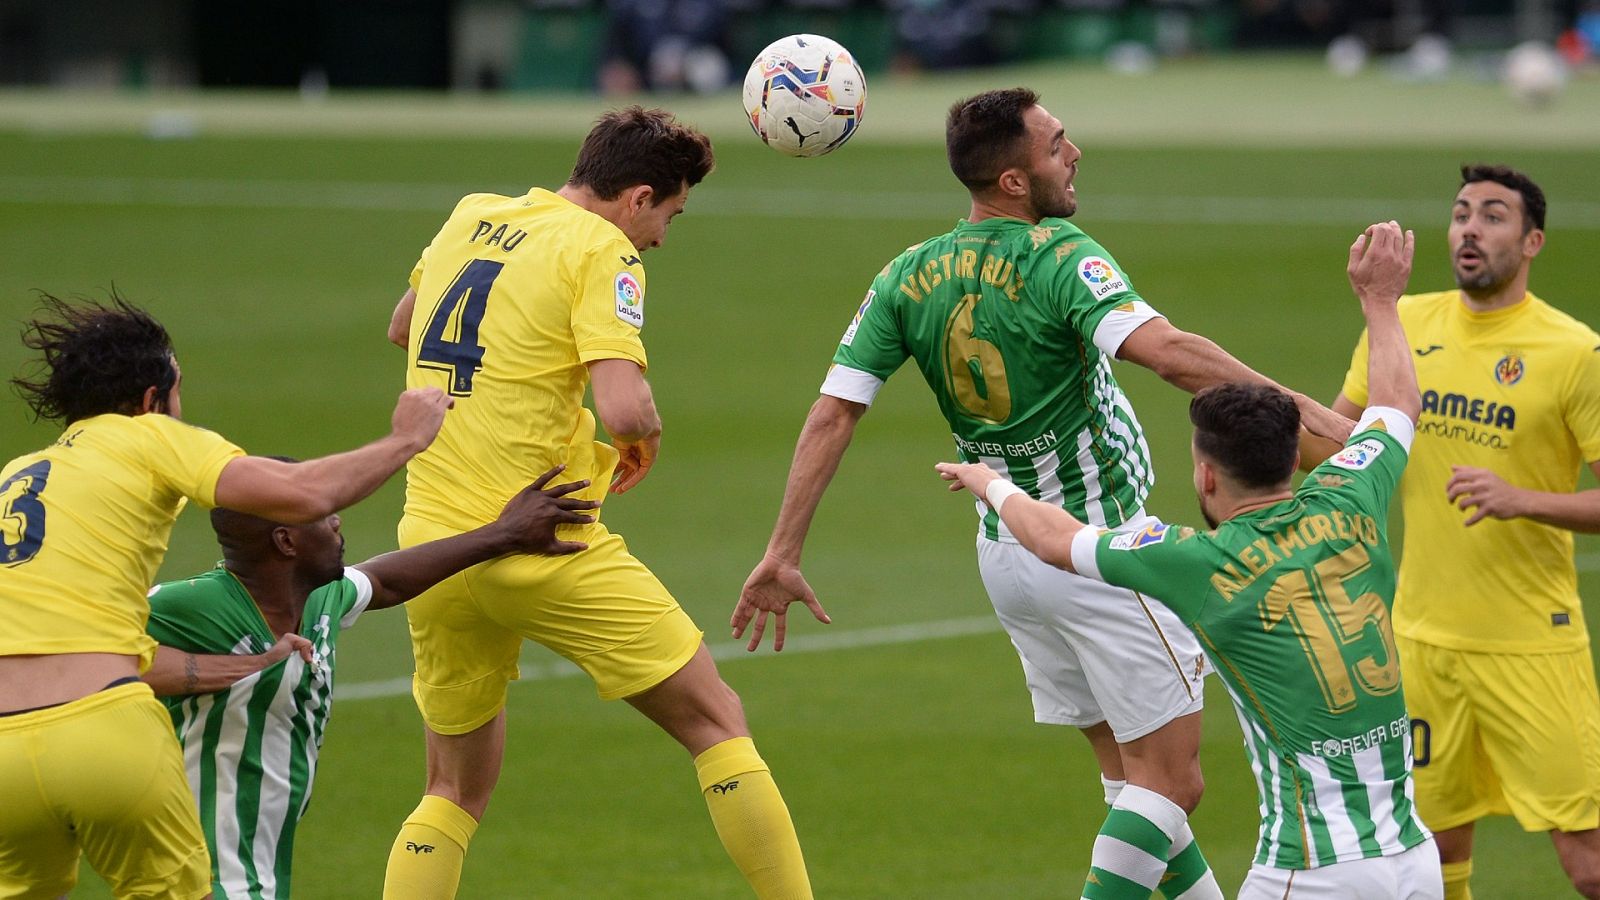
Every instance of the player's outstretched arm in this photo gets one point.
(400, 319)
(527, 524)
(776, 581)
(176, 673)
(627, 408)
(1192, 362)
(297, 493)
(1046, 531)
(1380, 266)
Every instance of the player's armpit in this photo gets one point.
(400, 320)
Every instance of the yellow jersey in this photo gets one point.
(84, 526)
(515, 295)
(1515, 391)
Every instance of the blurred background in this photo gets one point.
(618, 46)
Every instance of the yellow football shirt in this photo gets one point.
(1515, 391)
(84, 526)
(515, 295)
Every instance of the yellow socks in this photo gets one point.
(1456, 880)
(425, 861)
(751, 819)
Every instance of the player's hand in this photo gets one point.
(771, 587)
(1380, 262)
(529, 519)
(1324, 422)
(419, 414)
(974, 477)
(283, 647)
(634, 461)
(1472, 487)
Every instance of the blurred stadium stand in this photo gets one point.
(622, 45)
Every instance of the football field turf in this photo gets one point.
(901, 735)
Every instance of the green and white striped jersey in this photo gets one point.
(1292, 604)
(251, 750)
(1014, 326)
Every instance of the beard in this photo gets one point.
(1050, 201)
(1492, 274)
(1211, 522)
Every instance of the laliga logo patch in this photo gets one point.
(1100, 277)
(850, 333)
(630, 300)
(1144, 537)
(1357, 456)
(1509, 369)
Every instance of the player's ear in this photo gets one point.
(1014, 183)
(1533, 242)
(639, 197)
(152, 401)
(283, 541)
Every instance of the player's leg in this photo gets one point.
(1046, 613)
(464, 660)
(114, 771)
(1455, 784)
(38, 852)
(702, 713)
(605, 611)
(1541, 730)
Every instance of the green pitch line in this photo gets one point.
(1246, 100)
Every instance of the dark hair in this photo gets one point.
(985, 135)
(1251, 430)
(97, 359)
(633, 146)
(1532, 196)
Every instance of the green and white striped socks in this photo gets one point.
(1146, 845)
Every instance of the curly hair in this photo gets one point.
(1251, 430)
(96, 358)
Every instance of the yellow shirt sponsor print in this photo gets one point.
(515, 295)
(1515, 391)
(84, 526)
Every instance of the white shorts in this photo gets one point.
(1091, 652)
(1412, 875)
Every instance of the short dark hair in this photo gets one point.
(97, 358)
(985, 135)
(1532, 196)
(634, 145)
(1251, 430)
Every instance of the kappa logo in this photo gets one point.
(1144, 537)
(1101, 277)
(861, 311)
(419, 849)
(630, 299)
(1357, 456)
(725, 788)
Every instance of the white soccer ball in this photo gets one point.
(805, 95)
(1534, 73)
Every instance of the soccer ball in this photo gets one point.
(1534, 74)
(804, 95)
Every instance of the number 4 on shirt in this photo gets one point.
(450, 343)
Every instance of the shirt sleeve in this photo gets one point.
(1582, 411)
(358, 596)
(1355, 380)
(181, 618)
(1091, 292)
(873, 343)
(187, 460)
(1162, 561)
(1369, 467)
(609, 309)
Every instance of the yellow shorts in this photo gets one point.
(1499, 734)
(600, 608)
(102, 776)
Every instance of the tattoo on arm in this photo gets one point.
(191, 673)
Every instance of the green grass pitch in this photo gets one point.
(905, 747)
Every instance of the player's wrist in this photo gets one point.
(998, 492)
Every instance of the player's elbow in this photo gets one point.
(399, 334)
